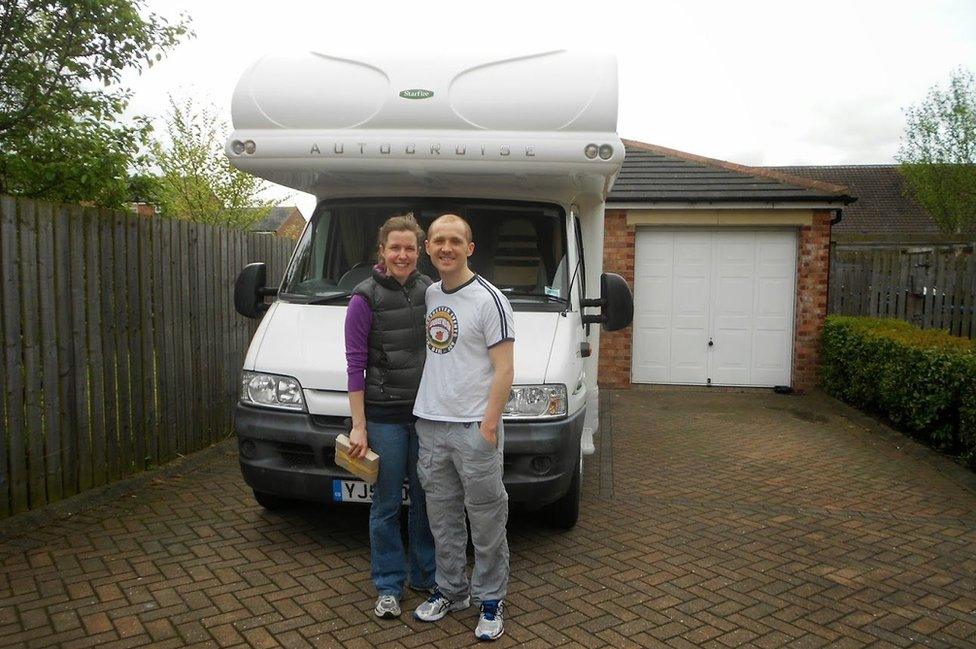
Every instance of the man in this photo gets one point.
(463, 390)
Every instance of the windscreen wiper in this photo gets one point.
(325, 299)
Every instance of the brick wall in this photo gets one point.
(813, 262)
(292, 226)
(618, 257)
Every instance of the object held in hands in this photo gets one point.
(366, 468)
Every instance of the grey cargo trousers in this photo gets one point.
(460, 471)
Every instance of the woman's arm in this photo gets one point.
(359, 320)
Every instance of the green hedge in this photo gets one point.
(922, 381)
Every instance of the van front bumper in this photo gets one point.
(292, 455)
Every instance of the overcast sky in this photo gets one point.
(757, 83)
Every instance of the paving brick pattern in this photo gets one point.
(710, 519)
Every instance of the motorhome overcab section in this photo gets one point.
(525, 150)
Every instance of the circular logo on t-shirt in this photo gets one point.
(442, 330)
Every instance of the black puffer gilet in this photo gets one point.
(397, 338)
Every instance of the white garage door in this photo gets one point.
(714, 306)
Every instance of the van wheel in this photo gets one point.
(564, 513)
(270, 501)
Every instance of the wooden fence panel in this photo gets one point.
(938, 293)
(857, 285)
(192, 339)
(33, 416)
(67, 387)
(126, 384)
(134, 335)
(184, 319)
(119, 343)
(959, 286)
(218, 324)
(865, 307)
(170, 402)
(932, 289)
(105, 441)
(81, 326)
(16, 483)
(161, 338)
(873, 284)
(150, 433)
(928, 291)
(114, 304)
(968, 328)
(5, 266)
(904, 292)
(225, 309)
(234, 265)
(214, 405)
(892, 289)
(196, 334)
(46, 287)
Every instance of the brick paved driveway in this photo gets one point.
(710, 519)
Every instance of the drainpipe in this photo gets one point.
(838, 217)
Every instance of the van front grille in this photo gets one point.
(331, 421)
(296, 454)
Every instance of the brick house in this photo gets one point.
(729, 269)
(283, 221)
(885, 214)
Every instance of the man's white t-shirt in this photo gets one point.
(462, 325)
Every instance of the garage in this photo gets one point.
(729, 267)
(713, 307)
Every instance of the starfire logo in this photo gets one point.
(416, 93)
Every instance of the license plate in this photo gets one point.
(356, 491)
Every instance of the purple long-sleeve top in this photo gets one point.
(359, 320)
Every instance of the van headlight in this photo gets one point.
(272, 391)
(536, 402)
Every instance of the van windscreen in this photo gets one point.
(519, 247)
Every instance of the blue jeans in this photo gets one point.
(397, 446)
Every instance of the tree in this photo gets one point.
(61, 135)
(196, 179)
(938, 153)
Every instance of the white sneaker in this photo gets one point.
(437, 606)
(491, 626)
(387, 607)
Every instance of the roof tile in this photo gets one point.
(652, 173)
(883, 205)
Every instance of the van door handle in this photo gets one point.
(711, 343)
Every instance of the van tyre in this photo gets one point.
(564, 513)
(270, 501)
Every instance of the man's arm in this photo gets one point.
(502, 358)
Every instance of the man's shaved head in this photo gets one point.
(450, 218)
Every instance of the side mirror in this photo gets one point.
(250, 289)
(616, 303)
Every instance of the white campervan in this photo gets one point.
(523, 148)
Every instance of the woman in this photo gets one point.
(385, 338)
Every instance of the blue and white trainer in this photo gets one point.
(491, 624)
(437, 606)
